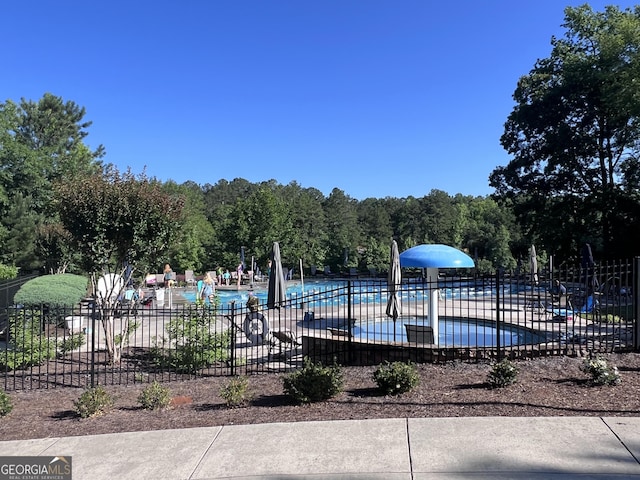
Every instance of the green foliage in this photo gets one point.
(93, 401)
(53, 244)
(123, 338)
(155, 396)
(60, 290)
(190, 344)
(6, 405)
(117, 217)
(27, 345)
(572, 135)
(601, 372)
(71, 343)
(396, 377)
(313, 382)
(235, 392)
(502, 374)
(7, 272)
(41, 142)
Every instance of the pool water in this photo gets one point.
(458, 332)
(323, 293)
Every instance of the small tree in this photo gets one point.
(116, 221)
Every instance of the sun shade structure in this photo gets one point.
(435, 256)
(432, 257)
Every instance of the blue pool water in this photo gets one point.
(323, 293)
(458, 332)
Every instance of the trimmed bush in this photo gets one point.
(396, 378)
(314, 382)
(502, 374)
(191, 345)
(72, 342)
(155, 397)
(601, 372)
(235, 392)
(92, 402)
(61, 290)
(6, 405)
(28, 346)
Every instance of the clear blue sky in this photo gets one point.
(375, 97)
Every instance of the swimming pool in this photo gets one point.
(319, 293)
(453, 332)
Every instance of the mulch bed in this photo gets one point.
(552, 386)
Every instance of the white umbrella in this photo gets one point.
(534, 265)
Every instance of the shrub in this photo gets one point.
(235, 392)
(7, 272)
(72, 342)
(502, 374)
(92, 402)
(6, 405)
(60, 290)
(155, 396)
(396, 378)
(27, 345)
(314, 382)
(191, 345)
(601, 372)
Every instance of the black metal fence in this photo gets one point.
(166, 336)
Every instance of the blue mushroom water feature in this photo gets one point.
(432, 257)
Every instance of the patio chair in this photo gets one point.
(189, 277)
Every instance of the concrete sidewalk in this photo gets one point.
(390, 449)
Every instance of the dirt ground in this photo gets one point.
(554, 386)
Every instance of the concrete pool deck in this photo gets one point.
(531, 448)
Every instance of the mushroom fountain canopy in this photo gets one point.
(435, 256)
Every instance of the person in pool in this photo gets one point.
(208, 289)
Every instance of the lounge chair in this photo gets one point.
(281, 341)
(561, 308)
(150, 280)
(189, 277)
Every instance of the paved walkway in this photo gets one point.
(392, 449)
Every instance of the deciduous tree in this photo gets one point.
(575, 131)
(117, 220)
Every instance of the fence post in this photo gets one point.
(498, 288)
(93, 341)
(233, 337)
(636, 303)
(349, 328)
